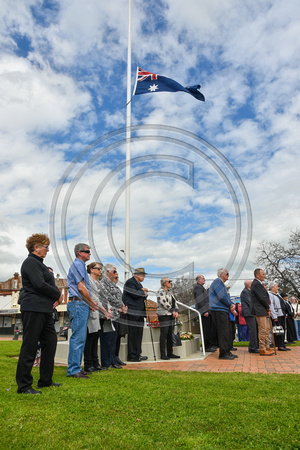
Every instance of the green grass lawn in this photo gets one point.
(144, 409)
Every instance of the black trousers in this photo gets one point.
(90, 357)
(165, 338)
(209, 331)
(279, 338)
(253, 332)
(223, 325)
(37, 326)
(108, 345)
(135, 336)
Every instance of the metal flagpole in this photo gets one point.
(128, 138)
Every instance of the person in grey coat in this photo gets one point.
(91, 360)
(249, 317)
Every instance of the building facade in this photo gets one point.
(10, 316)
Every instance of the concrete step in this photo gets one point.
(186, 350)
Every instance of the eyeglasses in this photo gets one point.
(85, 251)
(169, 281)
(45, 246)
(98, 268)
(114, 271)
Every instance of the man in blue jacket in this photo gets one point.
(220, 307)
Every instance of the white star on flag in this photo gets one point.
(153, 88)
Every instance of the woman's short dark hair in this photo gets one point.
(92, 265)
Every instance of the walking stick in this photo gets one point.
(148, 317)
(285, 331)
(270, 321)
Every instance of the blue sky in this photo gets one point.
(63, 87)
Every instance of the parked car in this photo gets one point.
(64, 332)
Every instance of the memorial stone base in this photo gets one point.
(187, 348)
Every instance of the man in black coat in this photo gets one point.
(260, 307)
(249, 317)
(134, 296)
(202, 305)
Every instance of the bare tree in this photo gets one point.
(183, 290)
(282, 263)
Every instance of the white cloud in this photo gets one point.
(37, 100)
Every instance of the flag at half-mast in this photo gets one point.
(147, 82)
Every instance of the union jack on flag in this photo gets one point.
(147, 82)
(142, 75)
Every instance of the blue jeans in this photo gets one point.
(78, 312)
(297, 326)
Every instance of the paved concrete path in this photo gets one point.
(283, 362)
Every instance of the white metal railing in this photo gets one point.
(200, 322)
(199, 315)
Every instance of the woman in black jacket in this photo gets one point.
(40, 296)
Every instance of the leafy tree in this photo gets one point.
(282, 263)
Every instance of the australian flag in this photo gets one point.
(147, 82)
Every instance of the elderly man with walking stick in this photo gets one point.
(134, 295)
(261, 308)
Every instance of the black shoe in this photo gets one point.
(210, 349)
(227, 357)
(79, 375)
(173, 356)
(89, 370)
(30, 391)
(283, 349)
(234, 349)
(235, 356)
(256, 350)
(133, 359)
(84, 372)
(98, 368)
(115, 366)
(165, 357)
(121, 363)
(48, 385)
(143, 358)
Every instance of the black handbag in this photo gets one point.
(55, 315)
(176, 339)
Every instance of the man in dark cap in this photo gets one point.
(134, 296)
